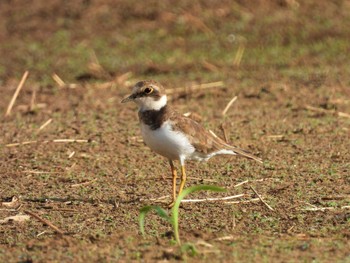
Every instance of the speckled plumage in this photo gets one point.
(205, 144)
(173, 135)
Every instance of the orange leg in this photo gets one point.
(174, 174)
(183, 178)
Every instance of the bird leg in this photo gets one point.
(183, 178)
(174, 174)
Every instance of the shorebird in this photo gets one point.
(174, 136)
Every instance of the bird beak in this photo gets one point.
(129, 98)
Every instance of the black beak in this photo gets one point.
(129, 98)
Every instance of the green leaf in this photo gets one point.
(145, 210)
(185, 192)
(189, 248)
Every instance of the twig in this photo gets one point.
(156, 199)
(224, 238)
(44, 221)
(9, 209)
(32, 100)
(343, 114)
(340, 114)
(61, 83)
(15, 218)
(65, 210)
(85, 183)
(337, 197)
(209, 66)
(40, 172)
(277, 136)
(314, 208)
(239, 55)
(212, 133)
(310, 205)
(243, 201)
(218, 84)
(21, 143)
(58, 80)
(54, 141)
(159, 199)
(233, 221)
(14, 97)
(203, 243)
(262, 200)
(224, 132)
(340, 101)
(311, 108)
(14, 203)
(68, 140)
(241, 183)
(257, 180)
(229, 105)
(212, 199)
(45, 124)
(96, 68)
(197, 200)
(38, 235)
(71, 155)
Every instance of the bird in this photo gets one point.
(173, 135)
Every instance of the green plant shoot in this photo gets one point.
(185, 192)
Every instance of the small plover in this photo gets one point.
(173, 135)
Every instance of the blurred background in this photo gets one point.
(192, 40)
(285, 66)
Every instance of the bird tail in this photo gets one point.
(237, 150)
(244, 153)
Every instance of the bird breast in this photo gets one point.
(167, 142)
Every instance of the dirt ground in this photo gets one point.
(287, 63)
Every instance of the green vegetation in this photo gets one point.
(174, 219)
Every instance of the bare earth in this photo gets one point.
(285, 61)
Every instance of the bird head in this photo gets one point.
(148, 95)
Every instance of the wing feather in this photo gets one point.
(203, 141)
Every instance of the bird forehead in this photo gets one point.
(139, 86)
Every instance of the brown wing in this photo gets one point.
(203, 141)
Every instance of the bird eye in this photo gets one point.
(148, 90)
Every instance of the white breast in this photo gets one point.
(164, 141)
